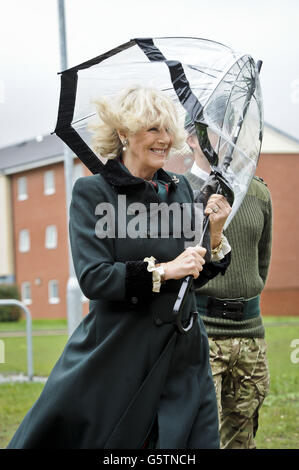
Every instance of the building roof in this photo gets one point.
(30, 154)
(277, 141)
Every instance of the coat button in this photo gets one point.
(134, 300)
(158, 321)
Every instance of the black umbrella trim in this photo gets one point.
(177, 75)
(69, 79)
(64, 129)
(183, 90)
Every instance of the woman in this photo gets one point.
(127, 378)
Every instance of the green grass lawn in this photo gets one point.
(15, 401)
(17, 398)
(279, 416)
(42, 324)
(46, 350)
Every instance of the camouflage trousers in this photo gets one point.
(241, 378)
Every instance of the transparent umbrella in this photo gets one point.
(217, 94)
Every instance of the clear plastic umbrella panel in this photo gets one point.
(216, 91)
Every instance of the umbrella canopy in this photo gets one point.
(216, 91)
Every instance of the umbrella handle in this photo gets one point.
(179, 303)
(184, 289)
(186, 284)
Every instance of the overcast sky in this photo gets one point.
(30, 60)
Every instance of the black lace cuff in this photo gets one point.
(139, 281)
(210, 270)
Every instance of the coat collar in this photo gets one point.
(115, 173)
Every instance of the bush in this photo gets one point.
(9, 312)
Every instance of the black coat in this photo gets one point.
(126, 363)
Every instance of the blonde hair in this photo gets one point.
(134, 109)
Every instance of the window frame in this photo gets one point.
(21, 240)
(22, 192)
(48, 236)
(51, 299)
(48, 191)
(24, 286)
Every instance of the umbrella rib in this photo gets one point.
(82, 119)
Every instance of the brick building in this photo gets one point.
(33, 231)
(279, 167)
(36, 218)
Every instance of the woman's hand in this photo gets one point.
(218, 210)
(190, 262)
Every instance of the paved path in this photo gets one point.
(6, 334)
(20, 378)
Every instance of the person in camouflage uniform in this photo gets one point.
(241, 380)
(230, 309)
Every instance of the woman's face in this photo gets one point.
(149, 148)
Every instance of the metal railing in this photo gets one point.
(28, 332)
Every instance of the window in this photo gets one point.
(26, 293)
(53, 292)
(51, 237)
(24, 240)
(22, 188)
(49, 182)
(77, 172)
